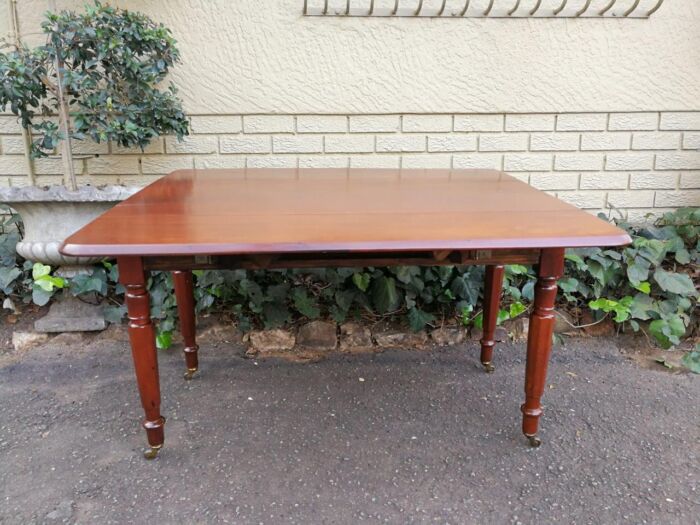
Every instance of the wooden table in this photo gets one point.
(282, 218)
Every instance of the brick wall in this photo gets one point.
(636, 162)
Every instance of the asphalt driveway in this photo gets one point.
(396, 437)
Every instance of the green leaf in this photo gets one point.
(344, 299)
(304, 304)
(86, 283)
(676, 283)
(682, 256)
(252, 291)
(48, 282)
(418, 319)
(667, 331)
(692, 361)
(576, 259)
(385, 295)
(663, 362)
(641, 306)
(676, 325)
(405, 274)
(40, 270)
(516, 269)
(617, 256)
(644, 287)
(444, 273)
(568, 285)
(596, 269)
(277, 292)
(164, 340)
(638, 271)
(40, 296)
(516, 309)
(620, 308)
(338, 315)
(362, 280)
(114, 314)
(58, 282)
(603, 304)
(465, 312)
(8, 255)
(528, 291)
(44, 283)
(7, 277)
(651, 249)
(621, 315)
(276, 315)
(465, 287)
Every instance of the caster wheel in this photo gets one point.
(534, 441)
(189, 373)
(488, 367)
(152, 452)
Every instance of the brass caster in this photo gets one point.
(189, 373)
(488, 367)
(534, 441)
(152, 452)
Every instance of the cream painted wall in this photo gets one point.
(604, 114)
(263, 56)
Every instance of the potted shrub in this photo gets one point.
(97, 78)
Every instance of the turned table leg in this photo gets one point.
(539, 341)
(184, 294)
(143, 349)
(493, 284)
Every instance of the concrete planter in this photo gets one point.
(51, 214)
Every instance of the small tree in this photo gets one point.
(99, 71)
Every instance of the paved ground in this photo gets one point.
(398, 437)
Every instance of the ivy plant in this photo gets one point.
(692, 359)
(653, 280)
(649, 285)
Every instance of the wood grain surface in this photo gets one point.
(241, 211)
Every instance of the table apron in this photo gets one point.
(265, 261)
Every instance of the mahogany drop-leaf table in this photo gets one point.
(297, 218)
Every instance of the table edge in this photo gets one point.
(165, 249)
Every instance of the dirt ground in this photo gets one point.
(395, 437)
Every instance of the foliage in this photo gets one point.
(44, 284)
(112, 63)
(692, 360)
(12, 272)
(652, 280)
(648, 285)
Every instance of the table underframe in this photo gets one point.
(133, 273)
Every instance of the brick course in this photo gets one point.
(637, 162)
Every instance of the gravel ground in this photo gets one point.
(396, 437)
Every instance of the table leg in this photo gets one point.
(539, 341)
(493, 284)
(143, 349)
(184, 294)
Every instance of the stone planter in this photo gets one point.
(51, 214)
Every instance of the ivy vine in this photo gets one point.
(650, 285)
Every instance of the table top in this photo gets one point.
(237, 211)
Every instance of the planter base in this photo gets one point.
(70, 314)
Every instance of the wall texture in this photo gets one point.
(601, 112)
(636, 162)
